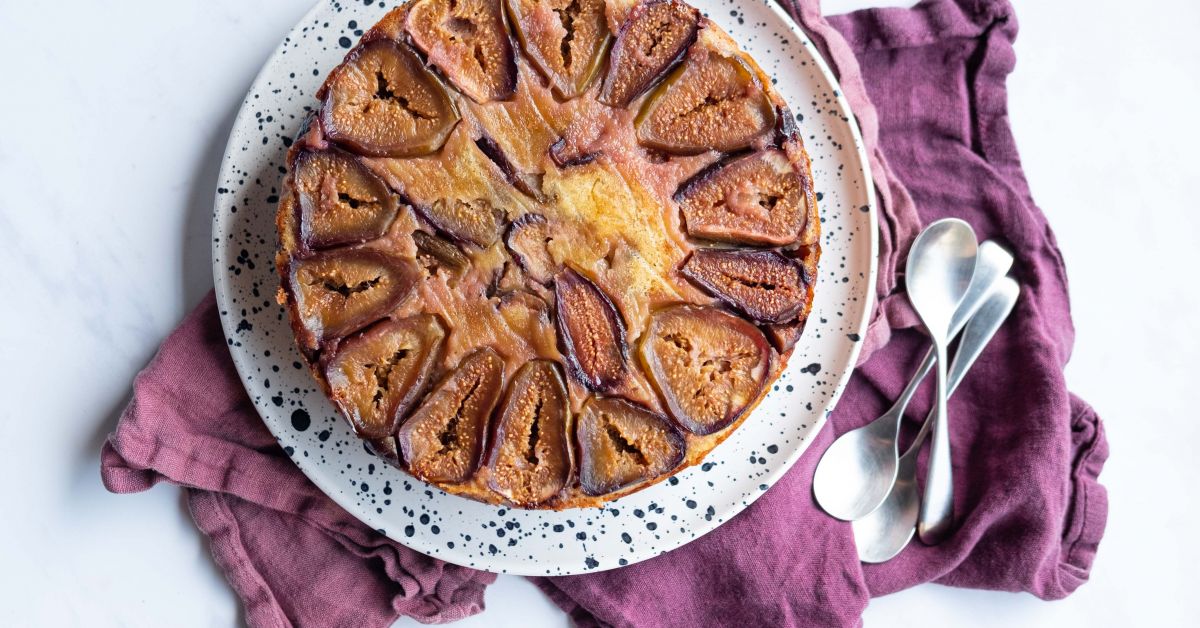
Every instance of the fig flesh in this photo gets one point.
(756, 199)
(382, 102)
(621, 444)
(340, 291)
(341, 202)
(591, 331)
(565, 40)
(530, 460)
(377, 375)
(655, 36)
(443, 440)
(467, 41)
(764, 285)
(707, 364)
(711, 102)
(474, 221)
(526, 239)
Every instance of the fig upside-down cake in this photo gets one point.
(547, 252)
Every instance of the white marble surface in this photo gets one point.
(114, 118)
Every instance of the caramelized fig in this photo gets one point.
(443, 441)
(382, 102)
(526, 239)
(376, 376)
(566, 155)
(621, 444)
(565, 40)
(591, 331)
(707, 364)
(785, 336)
(340, 291)
(531, 457)
(755, 199)
(474, 222)
(386, 449)
(341, 202)
(712, 102)
(467, 41)
(434, 253)
(655, 36)
(529, 184)
(765, 285)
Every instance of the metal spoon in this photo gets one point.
(888, 529)
(857, 471)
(940, 265)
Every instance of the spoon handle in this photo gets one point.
(977, 334)
(937, 504)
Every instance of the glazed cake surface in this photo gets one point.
(547, 252)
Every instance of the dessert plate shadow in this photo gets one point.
(506, 540)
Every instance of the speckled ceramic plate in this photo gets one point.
(645, 524)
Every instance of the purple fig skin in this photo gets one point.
(395, 274)
(386, 449)
(592, 339)
(763, 285)
(616, 458)
(623, 59)
(538, 264)
(528, 184)
(563, 159)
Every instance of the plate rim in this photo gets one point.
(221, 279)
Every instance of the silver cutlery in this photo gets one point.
(887, 530)
(940, 264)
(857, 471)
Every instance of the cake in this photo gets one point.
(545, 253)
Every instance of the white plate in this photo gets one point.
(634, 528)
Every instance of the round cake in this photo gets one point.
(546, 253)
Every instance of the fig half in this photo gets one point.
(621, 444)
(531, 457)
(474, 221)
(708, 365)
(376, 376)
(341, 202)
(655, 36)
(526, 240)
(382, 102)
(591, 331)
(342, 290)
(765, 285)
(565, 40)
(711, 102)
(755, 199)
(443, 441)
(467, 41)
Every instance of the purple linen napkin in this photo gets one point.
(1027, 452)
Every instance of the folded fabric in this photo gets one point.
(1027, 452)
